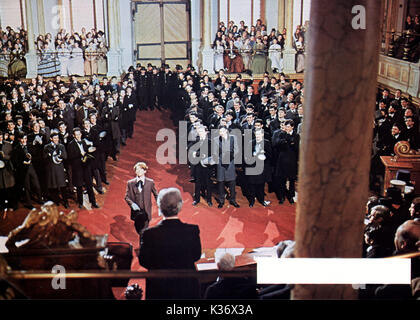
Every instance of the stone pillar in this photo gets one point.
(126, 37)
(41, 17)
(195, 33)
(207, 51)
(289, 53)
(340, 87)
(114, 54)
(31, 56)
(281, 20)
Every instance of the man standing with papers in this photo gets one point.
(139, 197)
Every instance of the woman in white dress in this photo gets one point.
(246, 52)
(219, 49)
(76, 64)
(274, 53)
(64, 56)
(300, 56)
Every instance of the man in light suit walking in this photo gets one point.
(139, 197)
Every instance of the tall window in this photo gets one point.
(236, 10)
(12, 13)
(78, 14)
(301, 12)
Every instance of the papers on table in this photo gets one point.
(206, 266)
(270, 252)
(3, 248)
(233, 251)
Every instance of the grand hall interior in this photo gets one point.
(156, 150)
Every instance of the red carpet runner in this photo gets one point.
(229, 227)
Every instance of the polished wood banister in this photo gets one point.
(89, 274)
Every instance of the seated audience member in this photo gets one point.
(415, 209)
(230, 287)
(407, 240)
(376, 237)
(285, 249)
(399, 207)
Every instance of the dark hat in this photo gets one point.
(143, 69)
(395, 194)
(404, 175)
(178, 67)
(149, 65)
(138, 65)
(385, 201)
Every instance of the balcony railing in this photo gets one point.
(402, 45)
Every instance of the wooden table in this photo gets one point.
(392, 166)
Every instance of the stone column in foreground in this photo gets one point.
(340, 86)
(113, 55)
(207, 50)
(289, 53)
(281, 22)
(31, 56)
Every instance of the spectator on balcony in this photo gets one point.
(274, 52)
(76, 62)
(91, 64)
(264, 30)
(4, 62)
(233, 60)
(300, 56)
(219, 50)
(246, 52)
(83, 45)
(272, 35)
(63, 54)
(101, 59)
(101, 37)
(416, 25)
(17, 68)
(260, 63)
(409, 25)
(48, 65)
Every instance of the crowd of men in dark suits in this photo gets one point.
(102, 114)
(395, 120)
(56, 136)
(265, 119)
